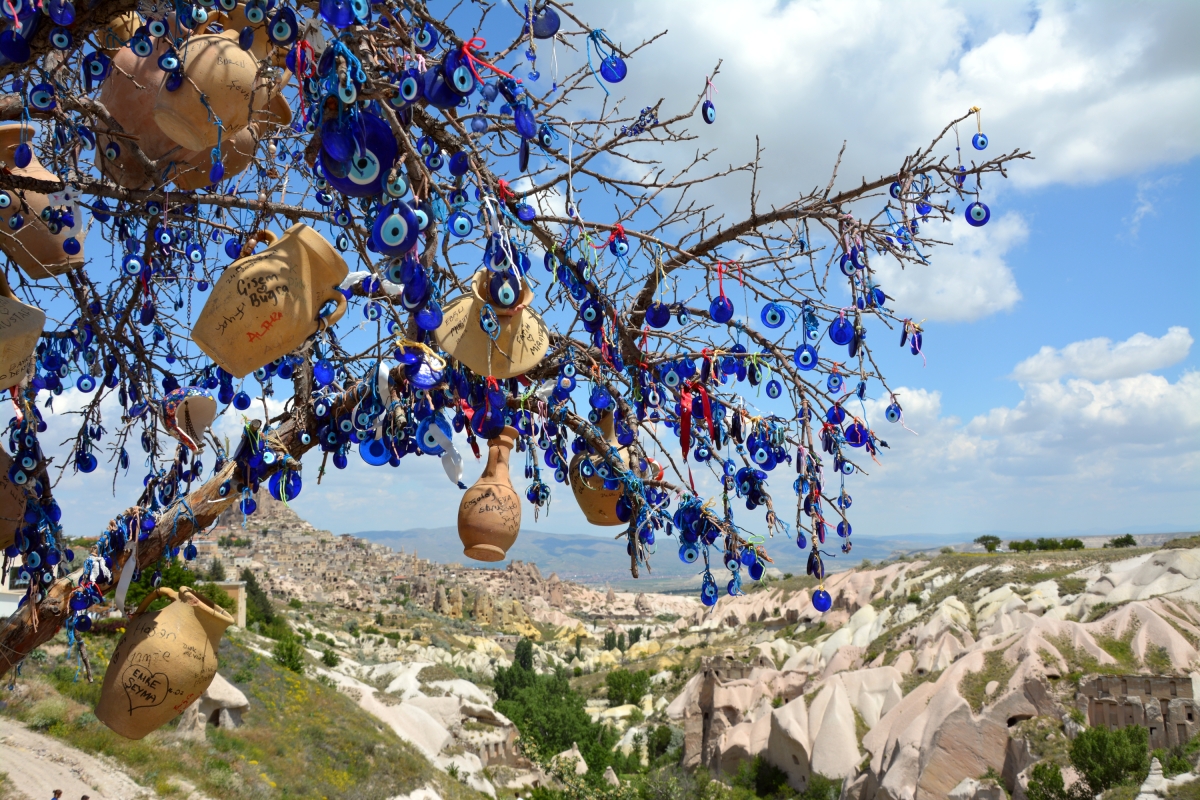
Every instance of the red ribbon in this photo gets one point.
(685, 430)
(504, 192)
(618, 232)
(468, 53)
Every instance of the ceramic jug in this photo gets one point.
(264, 306)
(20, 327)
(519, 346)
(117, 32)
(216, 69)
(165, 660)
(33, 246)
(12, 503)
(489, 516)
(599, 505)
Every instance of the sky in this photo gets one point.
(1061, 390)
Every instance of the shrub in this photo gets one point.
(759, 776)
(523, 656)
(1072, 544)
(659, 742)
(1126, 540)
(295, 603)
(626, 687)
(289, 653)
(330, 658)
(46, 713)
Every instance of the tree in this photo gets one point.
(216, 570)
(1048, 544)
(1109, 758)
(626, 687)
(523, 655)
(258, 605)
(1072, 544)
(610, 640)
(1022, 547)
(1125, 540)
(412, 182)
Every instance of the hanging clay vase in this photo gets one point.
(32, 246)
(215, 69)
(187, 413)
(237, 152)
(20, 327)
(599, 505)
(12, 503)
(165, 660)
(489, 516)
(264, 306)
(520, 344)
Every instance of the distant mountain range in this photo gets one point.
(598, 559)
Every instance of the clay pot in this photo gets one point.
(216, 68)
(187, 413)
(130, 93)
(599, 505)
(489, 516)
(165, 660)
(12, 503)
(20, 327)
(519, 346)
(33, 247)
(264, 306)
(119, 30)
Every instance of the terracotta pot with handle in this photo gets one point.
(165, 660)
(20, 327)
(34, 247)
(599, 505)
(489, 515)
(264, 306)
(520, 343)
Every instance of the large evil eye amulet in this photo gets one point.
(721, 309)
(979, 141)
(978, 214)
(658, 315)
(772, 315)
(709, 112)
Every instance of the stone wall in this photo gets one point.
(1163, 704)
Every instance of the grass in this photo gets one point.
(301, 739)
(972, 686)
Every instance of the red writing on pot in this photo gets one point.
(266, 326)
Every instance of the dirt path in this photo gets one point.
(37, 765)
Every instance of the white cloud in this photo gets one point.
(1146, 200)
(965, 282)
(1100, 359)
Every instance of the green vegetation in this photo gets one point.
(1043, 545)
(174, 574)
(299, 739)
(289, 653)
(1104, 759)
(330, 658)
(973, 684)
(233, 541)
(990, 543)
(626, 687)
(1126, 540)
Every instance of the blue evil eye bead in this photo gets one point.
(709, 112)
(425, 437)
(410, 88)
(545, 23)
(895, 189)
(342, 217)
(504, 289)
(132, 264)
(893, 413)
(60, 39)
(774, 389)
(805, 357)
(613, 70)
(978, 214)
(835, 415)
(112, 151)
(425, 37)
(157, 28)
(619, 246)
(195, 253)
(834, 382)
(86, 462)
(773, 315)
(16, 221)
(233, 247)
(396, 187)
(41, 97)
(756, 571)
(841, 331)
(61, 12)
(591, 314)
(857, 435)
(979, 141)
(545, 136)
(821, 600)
(846, 265)
(283, 29)
(395, 230)
(241, 401)
(6, 200)
(338, 13)
(658, 315)
(140, 44)
(721, 309)
(85, 384)
(843, 529)
(460, 162)
(460, 224)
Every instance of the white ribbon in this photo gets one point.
(451, 460)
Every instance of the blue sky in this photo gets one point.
(1061, 391)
